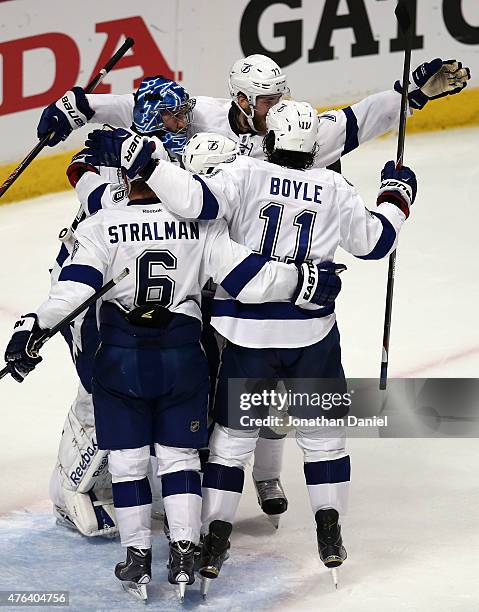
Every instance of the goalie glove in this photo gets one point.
(21, 354)
(399, 187)
(69, 113)
(433, 80)
(120, 148)
(318, 283)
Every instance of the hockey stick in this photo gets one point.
(404, 20)
(129, 42)
(49, 333)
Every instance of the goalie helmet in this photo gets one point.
(205, 150)
(155, 96)
(294, 126)
(253, 76)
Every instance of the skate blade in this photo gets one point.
(335, 577)
(274, 519)
(137, 591)
(205, 585)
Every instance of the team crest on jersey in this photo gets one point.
(194, 426)
(212, 145)
(119, 195)
(76, 246)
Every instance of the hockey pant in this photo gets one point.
(326, 462)
(268, 454)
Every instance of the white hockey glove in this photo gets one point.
(69, 113)
(433, 80)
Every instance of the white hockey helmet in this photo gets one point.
(205, 150)
(295, 126)
(256, 75)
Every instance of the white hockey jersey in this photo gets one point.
(288, 215)
(340, 131)
(169, 259)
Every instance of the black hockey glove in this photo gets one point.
(21, 354)
(119, 148)
(318, 283)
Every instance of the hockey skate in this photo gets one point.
(135, 572)
(271, 498)
(181, 565)
(214, 552)
(330, 542)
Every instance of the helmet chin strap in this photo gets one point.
(249, 118)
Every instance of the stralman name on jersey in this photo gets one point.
(144, 232)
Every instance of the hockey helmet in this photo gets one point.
(155, 96)
(205, 150)
(294, 126)
(253, 76)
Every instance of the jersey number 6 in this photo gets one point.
(152, 284)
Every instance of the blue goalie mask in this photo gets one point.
(155, 98)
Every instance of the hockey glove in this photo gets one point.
(318, 283)
(398, 187)
(435, 79)
(78, 167)
(119, 148)
(69, 113)
(21, 354)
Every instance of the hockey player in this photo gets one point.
(150, 380)
(270, 207)
(80, 485)
(256, 83)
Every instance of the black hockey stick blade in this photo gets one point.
(49, 333)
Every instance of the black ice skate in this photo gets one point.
(135, 572)
(214, 552)
(330, 542)
(181, 565)
(271, 498)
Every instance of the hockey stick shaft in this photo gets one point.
(129, 42)
(74, 314)
(403, 17)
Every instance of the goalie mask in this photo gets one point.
(253, 76)
(292, 126)
(156, 97)
(205, 150)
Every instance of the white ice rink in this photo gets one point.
(412, 531)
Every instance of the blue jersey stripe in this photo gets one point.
(82, 274)
(210, 203)
(184, 481)
(240, 276)
(94, 199)
(351, 142)
(62, 255)
(267, 311)
(385, 242)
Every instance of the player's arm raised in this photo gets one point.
(373, 234)
(185, 194)
(342, 131)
